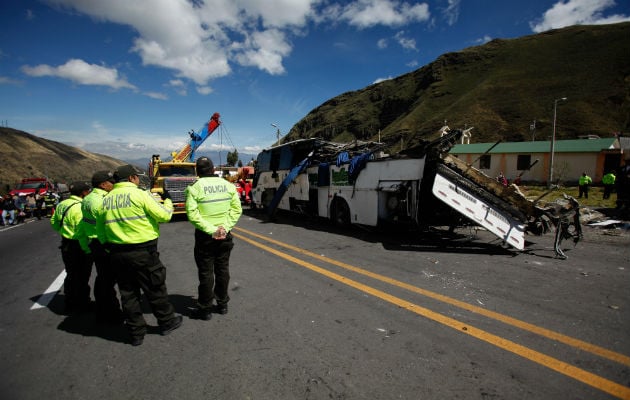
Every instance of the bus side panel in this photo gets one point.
(361, 198)
(363, 195)
(323, 201)
(297, 190)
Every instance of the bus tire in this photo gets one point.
(340, 213)
(266, 198)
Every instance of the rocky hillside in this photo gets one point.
(499, 88)
(24, 155)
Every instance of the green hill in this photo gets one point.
(498, 88)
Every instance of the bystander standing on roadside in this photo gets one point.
(502, 179)
(8, 210)
(20, 203)
(74, 248)
(30, 205)
(129, 224)
(40, 206)
(213, 207)
(107, 304)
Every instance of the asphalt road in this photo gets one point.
(319, 313)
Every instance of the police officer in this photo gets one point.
(583, 185)
(608, 181)
(213, 207)
(129, 223)
(74, 248)
(107, 304)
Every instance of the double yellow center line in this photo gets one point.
(579, 374)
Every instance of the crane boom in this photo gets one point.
(187, 153)
(178, 173)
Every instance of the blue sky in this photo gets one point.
(131, 78)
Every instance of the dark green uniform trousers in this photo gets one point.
(78, 267)
(140, 269)
(213, 267)
(107, 304)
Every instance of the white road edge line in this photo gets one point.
(52, 290)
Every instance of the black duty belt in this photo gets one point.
(114, 247)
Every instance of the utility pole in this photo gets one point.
(553, 141)
(532, 128)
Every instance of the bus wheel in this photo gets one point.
(265, 199)
(340, 213)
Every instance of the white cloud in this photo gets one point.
(252, 149)
(179, 86)
(400, 38)
(130, 145)
(156, 95)
(577, 12)
(198, 40)
(100, 128)
(201, 40)
(82, 73)
(273, 13)
(205, 90)
(405, 42)
(99, 138)
(379, 80)
(483, 40)
(4, 80)
(264, 50)
(368, 13)
(451, 12)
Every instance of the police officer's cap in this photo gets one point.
(125, 171)
(102, 176)
(204, 166)
(77, 188)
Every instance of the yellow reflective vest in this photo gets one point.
(67, 218)
(212, 202)
(585, 180)
(130, 215)
(609, 179)
(89, 207)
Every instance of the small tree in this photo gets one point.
(232, 158)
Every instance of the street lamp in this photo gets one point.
(277, 133)
(553, 141)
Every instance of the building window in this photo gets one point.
(484, 161)
(523, 161)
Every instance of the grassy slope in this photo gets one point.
(25, 155)
(499, 88)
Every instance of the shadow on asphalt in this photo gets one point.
(85, 324)
(395, 238)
